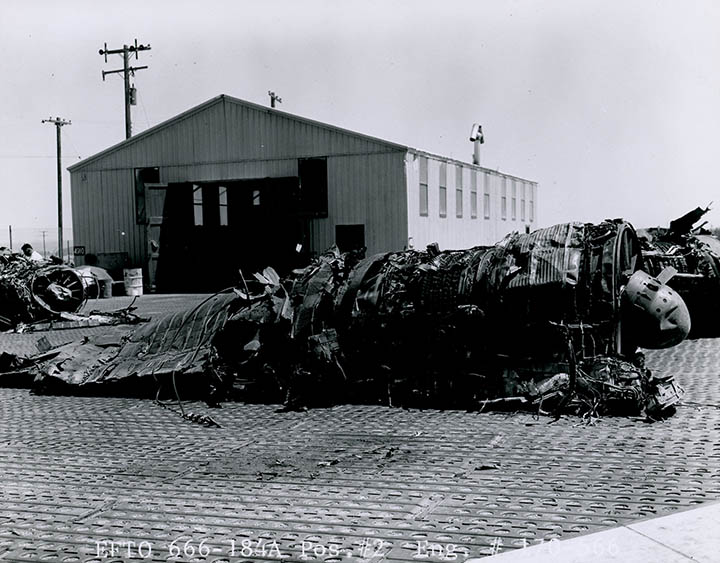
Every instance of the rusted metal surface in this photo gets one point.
(374, 483)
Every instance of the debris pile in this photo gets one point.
(550, 321)
(695, 254)
(41, 296)
(31, 291)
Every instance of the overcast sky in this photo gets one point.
(613, 107)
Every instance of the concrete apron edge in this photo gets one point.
(690, 534)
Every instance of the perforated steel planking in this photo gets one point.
(101, 479)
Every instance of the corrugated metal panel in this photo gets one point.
(254, 134)
(103, 209)
(232, 132)
(555, 254)
(369, 190)
(117, 216)
(87, 198)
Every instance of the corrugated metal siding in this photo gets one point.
(103, 209)
(87, 198)
(199, 138)
(460, 232)
(229, 132)
(369, 190)
(227, 140)
(254, 134)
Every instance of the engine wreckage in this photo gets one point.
(550, 321)
(30, 291)
(42, 295)
(695, 254)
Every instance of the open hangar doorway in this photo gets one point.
(213, 230)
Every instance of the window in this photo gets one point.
(256, 198)
(513, 206)
(522, 202)
(423, 186)
(503, 200)
(197, 205)
(223, 205)
(473, 194)
(443, 189)
(531, 204)
(486, 196)
(459, 191)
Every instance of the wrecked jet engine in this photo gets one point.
(30, 292)
(550, 320)
(695, 254)
(540, 318)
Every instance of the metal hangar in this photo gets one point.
(231, 185)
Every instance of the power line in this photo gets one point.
(76, 156)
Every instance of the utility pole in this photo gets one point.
(59, 122)
(130, 92)
(10, 233)
(44, 250)
(274, 98)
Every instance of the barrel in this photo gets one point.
(105, 290)
(133, 279)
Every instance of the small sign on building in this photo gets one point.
(78, 251)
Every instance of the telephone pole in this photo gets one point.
(59, 122)
(44, 250)
(130, 92)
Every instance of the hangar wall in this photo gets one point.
(371, 183)
(227, 139)
(480, 206)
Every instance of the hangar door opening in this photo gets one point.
(211, 230)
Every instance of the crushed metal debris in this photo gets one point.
(550, 321)
(695, 254)
(41, 296)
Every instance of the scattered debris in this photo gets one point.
(41, 296)
(549, 321)
(487, 466)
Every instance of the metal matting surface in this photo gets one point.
(110, 479)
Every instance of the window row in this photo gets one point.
(525, 192)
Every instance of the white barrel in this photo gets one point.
(133, 279)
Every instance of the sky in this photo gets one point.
(612, 106)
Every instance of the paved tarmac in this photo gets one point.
(90, 479)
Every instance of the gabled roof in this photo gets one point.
(224, 98)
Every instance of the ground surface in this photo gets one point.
(110, 479)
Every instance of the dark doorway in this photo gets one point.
(350, 237)
(313, 187)
(214, 230)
